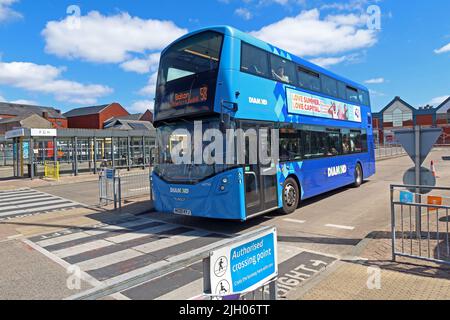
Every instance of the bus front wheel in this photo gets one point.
(358, 176)
(291, 196)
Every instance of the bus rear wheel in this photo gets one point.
(358, 176)
(291, 196)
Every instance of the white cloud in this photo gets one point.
(142, 66)
(150, 88)
(243, 13)
(2, 99)
(46, 79)
(375, 81)
(438, 100)
(142, 105)
(6, 13)
(24, 101)
(309, 35)
(108, 39)
(444, 49)
(330, 61)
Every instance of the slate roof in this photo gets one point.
(129, 125)
(85, 111)
(14, 109)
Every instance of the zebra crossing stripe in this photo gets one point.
(109, 259)
(28, 202)
(142, 233)
(23, 201)
(90, 235)
(64, 253)
(172, 241)
(33, 205)
(10, 194)
(26, 197)
(38, 209)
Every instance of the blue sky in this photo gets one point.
(53, 54)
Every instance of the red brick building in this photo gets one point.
(94, 117)
(400, 114)
(14, 110)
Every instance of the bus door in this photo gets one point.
(261, 192)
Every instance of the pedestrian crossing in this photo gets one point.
(111, 252)
(26, 202)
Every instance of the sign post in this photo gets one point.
(243, 266)
(418, 144)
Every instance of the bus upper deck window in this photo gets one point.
(329, 86)
(352, 94)
(364, 97)
(308, 79)
(282, 70)
(254, 61)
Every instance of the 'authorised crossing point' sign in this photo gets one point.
(244, 266)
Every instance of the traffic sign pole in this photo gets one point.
(418, 182)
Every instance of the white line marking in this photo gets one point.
(141, 233)
(84, 276)
(295, 221)
(108, 260)
(82, 248)
(336, 226)
(169, 242)
(34, 196)
(36, 210)
(34, 204)
(62, 239)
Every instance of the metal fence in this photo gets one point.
(6, 154)
(116, 186)
(388, 151)
(420, 224)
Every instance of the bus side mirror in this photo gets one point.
(225, 118)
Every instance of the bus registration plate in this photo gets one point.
(183, 212)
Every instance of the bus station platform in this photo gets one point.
(75, 151)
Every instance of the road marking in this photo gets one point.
(84, 276)
(140, 234)
(62, 239)
(336, 226)
(28, 202)
(109, 259)
(172, 241)
(64, 253)
(295, 221)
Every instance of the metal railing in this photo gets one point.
(175, 263)
(420, 229)
(119, 186)
(389, 150)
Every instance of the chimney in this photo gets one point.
(45, 115)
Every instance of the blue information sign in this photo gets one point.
(244, 266)
(110, 174)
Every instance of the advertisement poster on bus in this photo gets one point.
(312, 105)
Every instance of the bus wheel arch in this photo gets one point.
(291, 195)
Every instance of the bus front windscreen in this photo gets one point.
(187, 76)
(176, 153)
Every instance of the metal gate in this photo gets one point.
(420, 224)
(116, 186)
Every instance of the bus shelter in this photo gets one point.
(79, 150)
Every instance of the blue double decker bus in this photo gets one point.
(228, 79)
